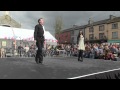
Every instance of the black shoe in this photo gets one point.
(37, 60)
(41, 60)
(81, 60)
(78, 59)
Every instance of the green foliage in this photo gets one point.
(58, 25)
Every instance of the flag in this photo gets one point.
(13, 38)
(5, 38)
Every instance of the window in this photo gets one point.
(66, 35)
(91, 36)
(72, 39)
(115, 26)
(91, 29)
(101, 35)
(114, 35)
(101, 28)
(72, 32)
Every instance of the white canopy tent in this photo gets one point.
(23, 34)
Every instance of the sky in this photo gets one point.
(28, 19)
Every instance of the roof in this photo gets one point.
(117, 19)
(10, 32)
(8, 20)
(105, 21)
(98, 22)
(74, 28)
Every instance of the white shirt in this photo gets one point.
(44, 30)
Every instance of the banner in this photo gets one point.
(4, 43)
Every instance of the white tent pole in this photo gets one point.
(14, 37)
(13, 32)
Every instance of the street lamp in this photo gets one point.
(20, 40)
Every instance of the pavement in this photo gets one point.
(52, 68)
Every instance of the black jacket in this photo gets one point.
(38, 32)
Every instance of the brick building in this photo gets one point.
(69, 35)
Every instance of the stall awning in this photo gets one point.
(113, 41)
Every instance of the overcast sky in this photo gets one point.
(28, 19)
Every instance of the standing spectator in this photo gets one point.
(68, 49)
(20, 50)
(26, 50)
(119, 52)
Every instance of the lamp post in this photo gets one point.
(14, 51)
(20, 40)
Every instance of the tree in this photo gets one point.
(58, 25)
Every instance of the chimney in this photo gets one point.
(90, 21)
(74, 25)
(112, 17)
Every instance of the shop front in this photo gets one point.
(113, 41)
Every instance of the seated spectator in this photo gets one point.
(119, 52)
(108, 54)
(92, 53)
(96, 52)
(114, 50)
(101, 54)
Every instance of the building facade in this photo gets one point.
(102, 31)
(64, 37)
(69, 36)
(7, 21)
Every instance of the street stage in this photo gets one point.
(54, 68)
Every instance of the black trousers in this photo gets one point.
(39, 54)
(20, 52)
(80, 54)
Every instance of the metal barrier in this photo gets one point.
(52, 53)
(9, 52)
